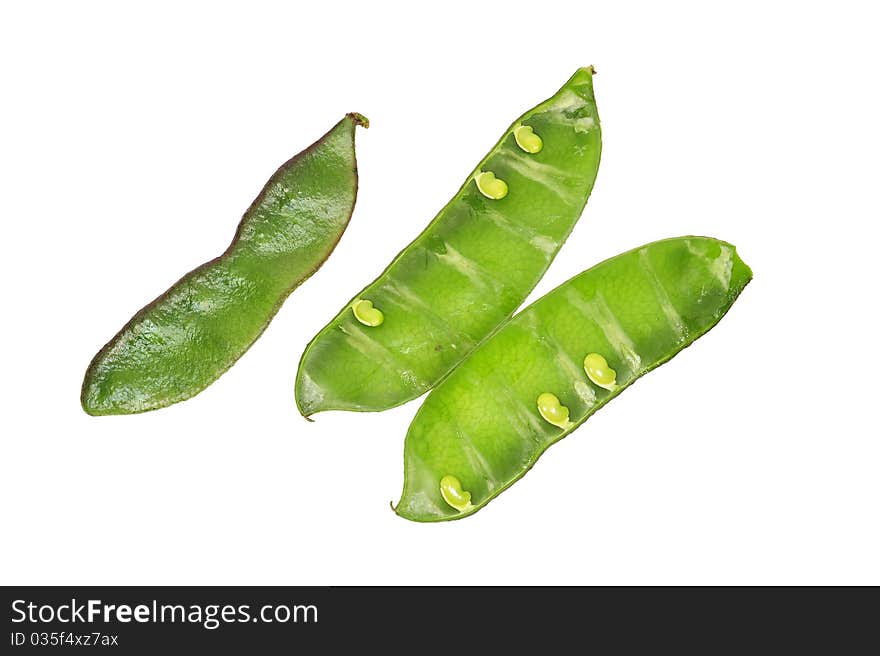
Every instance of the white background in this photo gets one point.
(133, 138)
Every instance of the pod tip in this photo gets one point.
(582, 76)
(359, 119)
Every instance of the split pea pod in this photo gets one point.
(468, 271)
(555, 363)
(185, 339)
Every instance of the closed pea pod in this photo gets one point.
(584, 342)
(471, 267)
(185, 339)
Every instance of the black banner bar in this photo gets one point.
(150, 620)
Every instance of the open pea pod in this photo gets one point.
(555, 363)
(185, 339)
(468, 271)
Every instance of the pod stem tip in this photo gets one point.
(359, 119)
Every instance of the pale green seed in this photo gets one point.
(527, 139)
(365, 313)
(490, 186)
(553, 411)
(450, 490)
(599, 372)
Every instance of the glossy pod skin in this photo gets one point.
(553, 365)
(184, 340)
(468, 271)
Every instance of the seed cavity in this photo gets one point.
(527, 140)
(490, 186)
(450, 490)
(364, 312)
(553, 411)
(599, 372)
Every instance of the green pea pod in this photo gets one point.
(184, 340)
(468, 271)
(548, 369)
